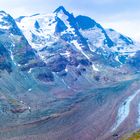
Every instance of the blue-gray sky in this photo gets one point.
(122, 15)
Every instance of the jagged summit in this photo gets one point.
(3, 13)
(4, 16)
(60, 8)
(8, 24)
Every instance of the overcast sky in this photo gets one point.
(122, 15)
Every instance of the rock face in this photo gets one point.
(59, 68)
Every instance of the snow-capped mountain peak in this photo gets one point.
(2, 14)
(39, 29)
(84, 34)
(44, 30)
(7, 23)
(4, 22)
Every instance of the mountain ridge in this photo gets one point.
(56, 64)
(63, 27)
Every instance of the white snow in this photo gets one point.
(30, 70)
(96, 40)
(66, 84)
(4, 26)
(67, 54)
(64, 18)
(95, 36)
(95, 68)
(11, 53)
(77, 45)
(3, 23)
(124, 110)
(70, 29)
(44, 35)
(12, 57)
(117, 59)
(66, 70)
(121, 45)
(29, 89)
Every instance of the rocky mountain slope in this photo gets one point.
(55, 68)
